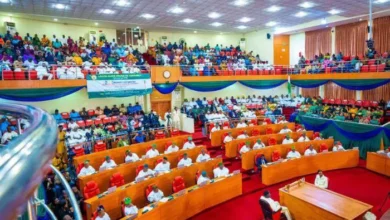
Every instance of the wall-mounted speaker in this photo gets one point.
(268, 36)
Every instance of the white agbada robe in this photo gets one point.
(321, 182)
(258, 146)
(282, 122)
(185, 162)
(292, 154)
(132, 210)
(105, 217)
(284, 131)
(221, 173)
(275, 206)
(162, 167)
(152, 153)
(187, 145)
(155, 196)
(176, 118)
(338, 148)
(244, 149)
(227, 139)
(202, 157)
(290, 141)
(8, 136)
(86, 171)
(242, 136)
(108, 165)
(309, 152)
(202, 179)
(134, 157)
(318, 138)
(172, 149)
(303, 139)
(242, 125)
(61, 73)
(73, 125)
(42, 71)
(142, 173)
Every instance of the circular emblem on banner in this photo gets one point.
(166, 74)
(93, 77)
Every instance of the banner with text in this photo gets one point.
(114, 85)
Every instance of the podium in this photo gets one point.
(306, 201)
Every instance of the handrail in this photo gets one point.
(25, 160)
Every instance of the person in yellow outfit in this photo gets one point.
(45, 41)
(96, 60)
(58, 162)
(100, 43)
(353, 111)
(131, 58)
(223, 65)
(61, 149)
(77, 59)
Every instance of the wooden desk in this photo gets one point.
(136, 191)
(128, 170)
(280, 172)
(378, 163)
(118, 154)
(231, 147)
(306, 201)
(248, 159)
(194, 202)
(216, 136)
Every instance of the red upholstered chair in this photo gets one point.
(148, 190)
(316, 135)
(79, 167)
(371, 62)
(271, 141)
(79, 151)
(366, 103)
(269, 131)
(98, 121)
(268, 121)
(114, 119)
(139, 168)
(197, 175)
(381, 67)
(255, 132)
(19, 75)
(94, 215)
(331, 101)
(88, 122)
(364, 68)
(323, 147)
(178, 184)
(65, 115)
(91, 189)
(253, 121)
(325, 101)
(81, 123)
(160, 135)
(373, 68)
(258, 155)
(374, 104)
(110, 128)
(117, 180)
(33, 75)
(344, 102)
(175, 133)
(225, 124)
(239, 146)
(211, 125)
(100, 146)
(106, 120)
(91, 112)
(167, 144)
(337, 101)
(159, 160)
(275, 156)
(268, 213)
(358, 103)
(102, 116)
(8, 75)
(351, 102)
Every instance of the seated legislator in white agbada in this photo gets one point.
(245, 148)
(155, 195)
(131, 157)
(287, 140)
(203, 156)
(185, 161)
(203, 178)
(152, 152)
(338, 147)
(163, 166)
(310, 151)
(108, 164)
(258, 145)
(303, 138)
(243, 135)
(221, 171)
(215, 128)
(321, 180)
(241, 124)
(275, 206)
(172, 148)
(293, 154)
(189, 144)
(145, 172)
(86, 170)
(228, 138)
(285, 130)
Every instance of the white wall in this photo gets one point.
(24, 26)
(235, 90)
(297, 44)
(258, 43)
(200, 38)
(76, 101)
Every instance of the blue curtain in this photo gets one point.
(207, 86)
(309, 83)
(37, 95)
(361, 84)
(166, 88)
(262, 84)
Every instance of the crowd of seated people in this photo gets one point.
(65, 58)
(340, 63)
(364, 112)
(9, 129)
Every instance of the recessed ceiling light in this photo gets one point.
(188, 20)
(301, 14)
(360, 19)
(107, 11)
(245, 19)
(273, 8)
(323, 21)
(307, 4)
(334, 11)
(96, 23)
(241, 3)
(242, 27)
(5, 1)
(55, 19)
(122, 3)
(60, 6)
(195, 32)
(176, 10)
(214, 15)
(216, 24)
(137, 27)
(271, 23)
(148, 16)
(380, 1)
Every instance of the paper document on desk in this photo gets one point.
(146, 209)
(165, 199)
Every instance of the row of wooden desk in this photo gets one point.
(136, 191)
(231, 148)
(216, 136)
(128, 170)
(118, 154)
(195, 200)
(248, 158)
(378, 163)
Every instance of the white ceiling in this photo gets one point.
(90, 12)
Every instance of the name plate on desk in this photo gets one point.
(236, 172)
(325, 151)
(202, 184)
(140, 179)
(180, 166)
(181, 192)
(111, 190)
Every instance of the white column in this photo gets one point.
(359, 94)
(148, 104)
(333, 33)
(322, 91)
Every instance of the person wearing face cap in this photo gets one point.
(310, 151)
(203, 156)
(338, 147)
(285, 130)
(303, 138)
(189, 144)
(243, 135)
(203, 178)
(102, 214)
(155, 195)
(220, 171)
(131, 157)
(319, 137)
(108, 163)
(172, 148)
(228, 138)
(86, 170)
(293, 153)
(152, 152)
(288, 140)
(145, 172)
(129, 209)
(185, 161)
(215, 128)
(163, 166)
(245, 148)
(258, 145)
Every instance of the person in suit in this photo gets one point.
(260, 161)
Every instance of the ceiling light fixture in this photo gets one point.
(5, 1)
(96, 23)
(307, 4)
(176, 10)
(60, 6)
(55, 19)
(273, 8)
(271, 24)
(188, 20)
(216, 24)
(214, 15)
(323, 21)
(242, 27)
(195, 32)
(148, 16)
(334, 11)
(245, 19)
(107, 11)
(122, 3)
(301, 14)
(380, 1)
(241, 3)
(360, 19)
